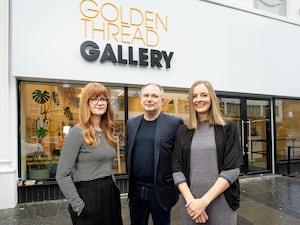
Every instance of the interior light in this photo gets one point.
(66, 129)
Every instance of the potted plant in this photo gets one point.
(45, 99)
(39, 161)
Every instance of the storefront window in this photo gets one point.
(175, 103)
(287, 129)
(117, 99)
(47, 112)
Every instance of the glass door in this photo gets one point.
(258, 137)
(252, 118)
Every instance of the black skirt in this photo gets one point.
(102, 203)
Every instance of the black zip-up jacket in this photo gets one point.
(229, 155)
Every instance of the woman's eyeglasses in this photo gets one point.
(97, 100)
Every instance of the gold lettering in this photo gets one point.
(155, 38)
(148, 19)
(121, 16)
(94, 29)
(125, 33)
(85, 26)
(109, 12)
(134, 20)
(163, 23)
(84, 9)
(113, 32)
(126, 25)
(138, 36)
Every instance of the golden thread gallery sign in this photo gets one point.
(112, 32)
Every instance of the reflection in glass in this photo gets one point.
(287, 129)
(47, 112)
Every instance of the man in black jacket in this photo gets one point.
(150, 142)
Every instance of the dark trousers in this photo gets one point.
(142, 203)
(102, 203)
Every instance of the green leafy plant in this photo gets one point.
(42, 97)
(46, 100)
(39, 159)
(40, 162)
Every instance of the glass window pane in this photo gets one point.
(117, 99)
(287, 129)
(47, 111)
(175, 103)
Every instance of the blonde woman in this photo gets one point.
(88, 151)
(206, 161)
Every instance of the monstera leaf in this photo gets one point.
(55, 98)
(40, 97)
(46, 100)
(68, 113)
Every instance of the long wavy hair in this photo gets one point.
(214, 115)
(107, 119)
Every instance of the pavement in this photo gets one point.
(265, 200)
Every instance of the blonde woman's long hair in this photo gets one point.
(107, 119)
(215, 115)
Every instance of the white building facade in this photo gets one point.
(250, 55)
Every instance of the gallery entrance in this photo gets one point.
(252, 117)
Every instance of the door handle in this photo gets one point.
(244, 145)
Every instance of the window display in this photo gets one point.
(175, 103)
(47, 112)
(287, 132)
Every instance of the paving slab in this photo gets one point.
(265, 200)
